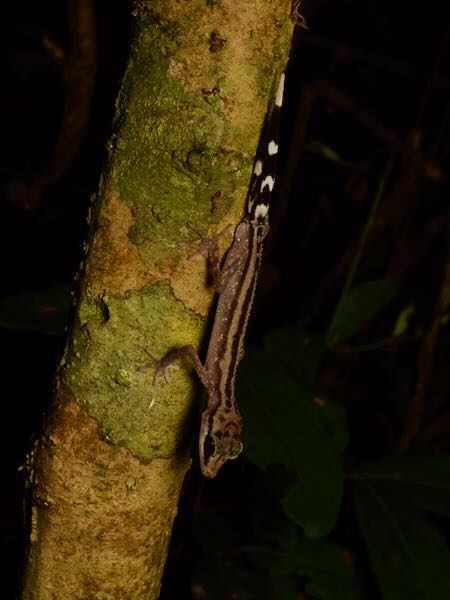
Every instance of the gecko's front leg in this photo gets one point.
(164, 364)
(221, 423)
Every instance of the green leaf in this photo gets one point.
(270, 522)
(327, 566)
(409, 556)
(360, 305)
(300, 352)
(283, 425)
(334, 420)
(44, 310)
(284, 587)
(424, 479)
(224, 578)
(402, 323)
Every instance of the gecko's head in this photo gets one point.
(220, 439)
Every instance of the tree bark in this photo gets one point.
(109, 464)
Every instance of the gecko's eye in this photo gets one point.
(209, 446)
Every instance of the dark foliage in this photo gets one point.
(344, 487)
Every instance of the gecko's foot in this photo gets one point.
(208, 247)
(161, 366)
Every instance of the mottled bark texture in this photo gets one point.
(110, 462)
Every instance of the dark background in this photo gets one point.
(388, 63)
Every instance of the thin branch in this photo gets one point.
(79, 70)
(415, 412)
(359, 251)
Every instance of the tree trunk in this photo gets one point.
(115, 448)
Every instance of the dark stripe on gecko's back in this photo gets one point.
(236, 330)
(244, 312)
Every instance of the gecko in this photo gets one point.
(234, 282)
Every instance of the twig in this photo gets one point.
(359, 250)
(79, 73)
(414, 415)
